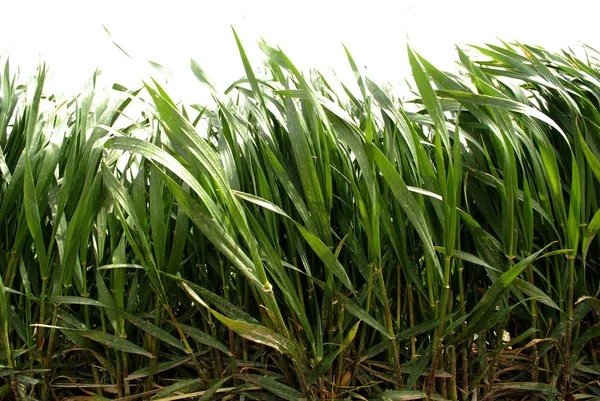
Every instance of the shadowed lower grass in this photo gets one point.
(294, 242)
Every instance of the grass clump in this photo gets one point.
(298, 242)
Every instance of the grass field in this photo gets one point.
(305, 239)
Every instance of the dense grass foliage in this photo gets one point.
(298, 241)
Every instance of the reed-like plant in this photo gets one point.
(294, 242)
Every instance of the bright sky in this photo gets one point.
(69, 36)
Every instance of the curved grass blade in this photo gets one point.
(409, 205)
(276, 388)
(253, 332)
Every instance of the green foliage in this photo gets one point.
(294, 242)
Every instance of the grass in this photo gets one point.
(301, 242)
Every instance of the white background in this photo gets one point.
(70, 37)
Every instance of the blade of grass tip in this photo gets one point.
(31, 133)
(115, 43)
(429, 98)
(251, 77)
(160, 68)
(202, 77)
(357, 73)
